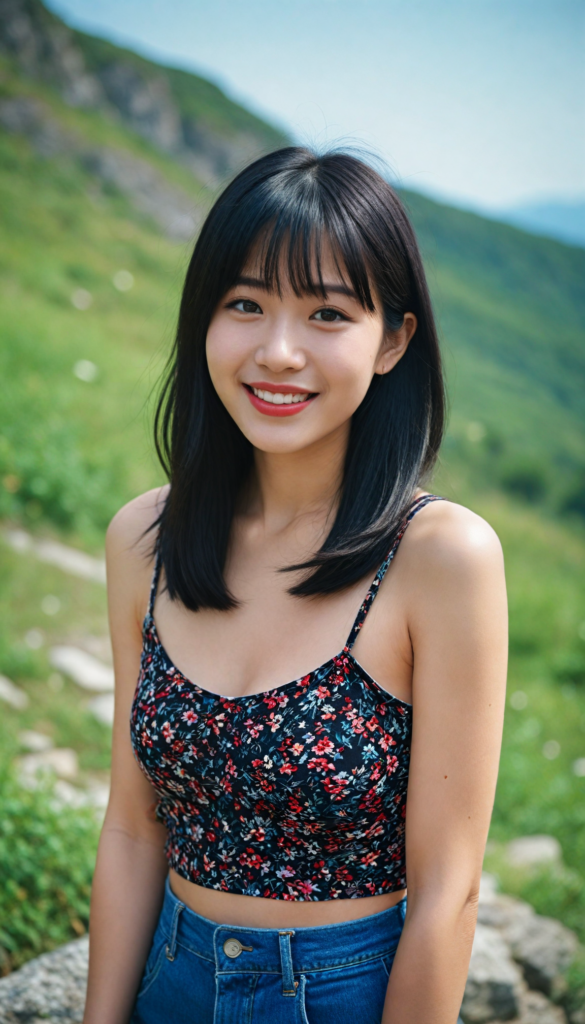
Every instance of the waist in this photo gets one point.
(237, 947)
(254, 911)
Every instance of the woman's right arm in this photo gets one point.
(128, 884)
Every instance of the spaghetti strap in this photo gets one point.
(416, 506)
(155, 578)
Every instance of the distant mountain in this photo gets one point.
(562, 220)
(178, 112)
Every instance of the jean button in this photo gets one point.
(232, 948)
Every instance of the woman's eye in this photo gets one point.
(328, 316)
(245, 306)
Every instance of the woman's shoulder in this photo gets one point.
(445, 537)
(130, 540)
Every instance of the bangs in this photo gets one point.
(287, 235)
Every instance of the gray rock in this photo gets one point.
(62, 761)
(12, 694)
(169, 207)
(544, 948)
(50, 989)
(137, 93)
(45, 49)
(536, 1009)
(102, 708)
(494, 983)
(533, 851)
(83, 668)
(145, 103)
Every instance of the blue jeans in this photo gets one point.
(199, 972)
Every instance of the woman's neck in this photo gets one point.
(290, 487)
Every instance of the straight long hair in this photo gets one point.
(287, 206)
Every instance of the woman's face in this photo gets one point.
(292, 371)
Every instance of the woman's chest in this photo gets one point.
(273, 637)
(331, 738)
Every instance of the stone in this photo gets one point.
(544, 948)
(171, 208)
(102, 708)
(70, 560)
(145, 102)
(536, 1009)
(494, 983)
(139, 94)
(12, 694)
(66, 795)
(533, 851)
(83, 668)
(34, 741)
(503, 911)
(488, 888)
(60, 760)
(50, 988)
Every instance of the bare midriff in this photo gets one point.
(258, 912)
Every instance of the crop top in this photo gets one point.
(296, 793)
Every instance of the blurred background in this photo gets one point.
(119, 122)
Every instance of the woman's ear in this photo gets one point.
(395, 344)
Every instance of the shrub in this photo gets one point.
(574, 501)
(525, 480)
(47, 855)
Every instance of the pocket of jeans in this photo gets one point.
(387, 961)
(154, 962)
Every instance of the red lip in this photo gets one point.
(268, 408)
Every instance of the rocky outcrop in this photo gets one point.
(171, 208)
(50, 989)
(44, 49)
(517, 957)
(133, 90)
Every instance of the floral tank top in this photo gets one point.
(296, 793)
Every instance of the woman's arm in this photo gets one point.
(457, 615)
(129, 878)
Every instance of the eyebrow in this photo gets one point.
(329, 289)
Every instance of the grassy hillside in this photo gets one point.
(82, 346)
(512, 313)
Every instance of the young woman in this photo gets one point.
(255, 853)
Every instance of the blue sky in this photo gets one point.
(479, 101)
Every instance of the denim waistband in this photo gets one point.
(236, 949)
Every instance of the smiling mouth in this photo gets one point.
(288, 398)
(278, 403)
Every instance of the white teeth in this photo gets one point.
(275, 398)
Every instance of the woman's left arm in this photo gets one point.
(457, 616)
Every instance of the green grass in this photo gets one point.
(47, 854)
(72, 452)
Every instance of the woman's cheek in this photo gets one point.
(224, 357)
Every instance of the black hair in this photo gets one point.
(291, 201)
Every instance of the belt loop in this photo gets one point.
(289, 985)
(172, 944)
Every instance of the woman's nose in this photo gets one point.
(280, 350)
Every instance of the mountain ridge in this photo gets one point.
(180, 113)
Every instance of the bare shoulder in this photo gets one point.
(129, 550)
(448, 545)
(127, 534)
